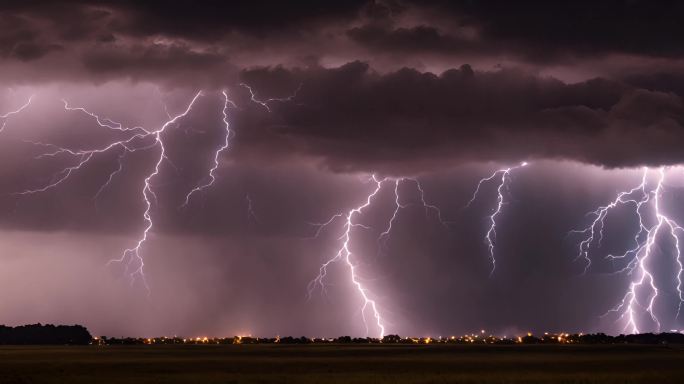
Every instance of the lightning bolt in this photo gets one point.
(103, 122)
(490, 235)
(9, 114)
(345, 254)
(646, 238)
(594, 232)
(83, 156)
(429, 207)
(131, 256)
(120, 159)
(212, 177)
(384, 235)
(397, 207)
(138, 139)
(264, 103)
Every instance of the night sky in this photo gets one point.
(322, 100)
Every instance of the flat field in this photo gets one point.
(342, 364)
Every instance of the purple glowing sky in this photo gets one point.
(318, 98)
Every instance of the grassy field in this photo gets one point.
(342, 364)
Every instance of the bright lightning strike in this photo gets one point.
(103, 122)
(9, 114)
(490, 235)
(642, 292)
(212, 177)
(138, 139)
(132, 255)
(594, 232)
(345, 254)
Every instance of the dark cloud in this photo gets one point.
(386, 34)
(420, 38)
(158, 63)
(671, 81)
(76, 20)
(531, 32)
(19, 41)
(580, 27)
(215, 18)
(357, 119)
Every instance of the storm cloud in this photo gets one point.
(357, 112)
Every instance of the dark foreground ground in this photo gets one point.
(343, 364)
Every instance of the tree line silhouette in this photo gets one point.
(48, 334)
